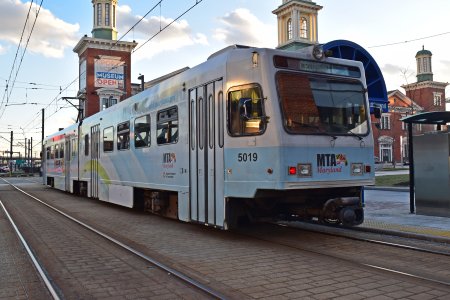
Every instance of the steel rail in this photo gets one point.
(158, 264)
(379, 268)
(36, 264)
(373, 241)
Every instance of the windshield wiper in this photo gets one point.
(320, 130)
(355, 135)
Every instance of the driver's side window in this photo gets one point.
(246, 111)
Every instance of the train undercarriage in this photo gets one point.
(338, 206)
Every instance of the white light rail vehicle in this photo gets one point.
(251, 134)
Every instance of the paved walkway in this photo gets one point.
(388, 209)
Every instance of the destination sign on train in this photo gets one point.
(315, 67)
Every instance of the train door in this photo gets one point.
(67, 158)
(95, 153)
(206, 154)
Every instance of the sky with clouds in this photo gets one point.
(49, 65)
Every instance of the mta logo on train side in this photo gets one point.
(330, 162)
(169, 158)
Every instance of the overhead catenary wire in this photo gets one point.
(16, 55)
(409, 41)
(165, 27)
(23, 55)
(127, 32)
(77, 77)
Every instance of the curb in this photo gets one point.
(387, 188)
(404, 234)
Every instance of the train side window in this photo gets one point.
(52, 152)
(201, 118)
(142, 132)
(246, 111)
(123, 136)
(108, 139)
(86, 144)
(61, 151)
(56, 151)
(74, 147)
(192, 114)
(211, 119)
(48, 152)
(167, 126)
(221, 115)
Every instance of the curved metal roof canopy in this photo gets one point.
(434, 117)
(376, 87)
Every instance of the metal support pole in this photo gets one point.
(28, 157)
(42, 146)
(26, 148)
(31, 156)
(411, 168)
(11, 154)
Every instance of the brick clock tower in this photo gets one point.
(426, 92)
(104, 62)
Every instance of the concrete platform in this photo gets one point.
(388, 209)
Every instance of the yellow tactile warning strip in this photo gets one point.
(406, 229)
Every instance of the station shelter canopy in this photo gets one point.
(376, 86)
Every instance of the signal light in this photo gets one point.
(292, 170)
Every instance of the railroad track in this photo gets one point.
(439, 246)
(345, 240)
(244, 267)
(173, 273)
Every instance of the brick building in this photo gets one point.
(104, 62)
(425, 95)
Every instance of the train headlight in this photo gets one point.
(357, 169)
(304, 170)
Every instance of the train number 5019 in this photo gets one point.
(247, 157)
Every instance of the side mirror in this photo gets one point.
(377, 111)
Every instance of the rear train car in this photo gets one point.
(250, 134)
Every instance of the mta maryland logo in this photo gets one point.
(331, 163)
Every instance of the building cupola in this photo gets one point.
(105, 12)
(424, 71)
(297, 24)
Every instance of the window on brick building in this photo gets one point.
(385, 122)
(437, 99)
(404, 125)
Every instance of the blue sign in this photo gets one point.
(107, 75)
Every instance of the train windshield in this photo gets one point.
(322, 105)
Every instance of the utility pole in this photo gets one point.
(42, 145)
(29, 150)
(31, 156)
(11, 154)
(26, 148)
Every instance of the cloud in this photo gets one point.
(242, 27)
(2, 50)
(176, 36)
(392, 69)
(50, 37)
